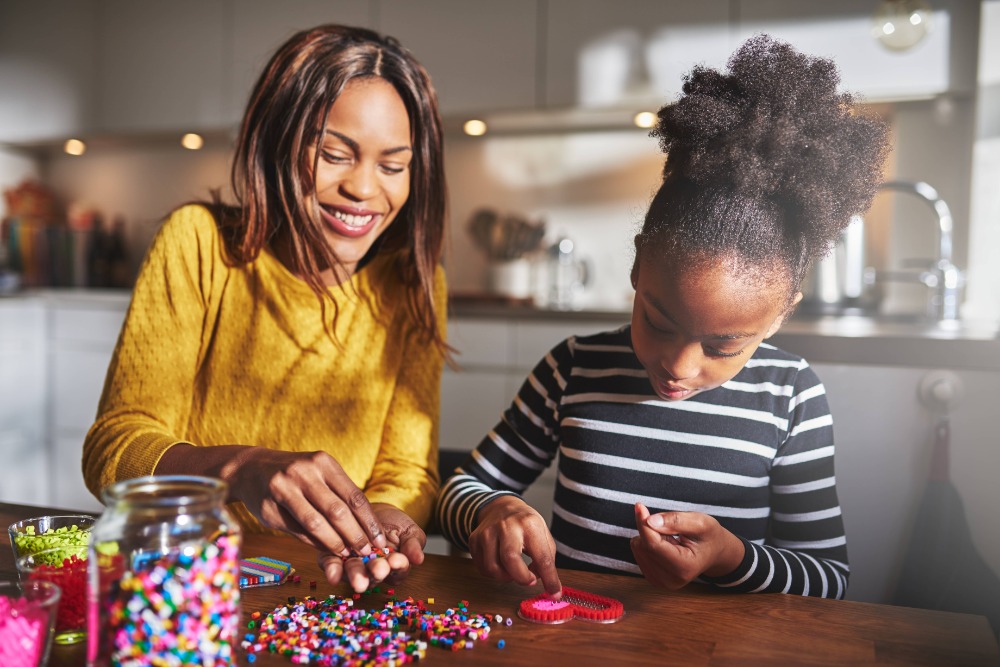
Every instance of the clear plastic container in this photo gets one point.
(164, 575)
(27, 618)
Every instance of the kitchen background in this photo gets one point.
(558, 84)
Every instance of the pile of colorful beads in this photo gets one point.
(23, 632)
(71, 577)
(333, 631)
(375, 553)
(65, 537)
(179, 607)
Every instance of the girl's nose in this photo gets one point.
(360, 183)
(682, 361)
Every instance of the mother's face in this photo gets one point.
(362, 175)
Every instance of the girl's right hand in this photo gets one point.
(306, 494)
(508, 527)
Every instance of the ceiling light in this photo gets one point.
(192, 141)
(474, 128)
(74, 147)
(645, 119)
(901, 24)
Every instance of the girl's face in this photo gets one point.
(363, 173)
(694, 328)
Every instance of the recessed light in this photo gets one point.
(645, 119)
(474, 127)
(74, 147)
(192, 141)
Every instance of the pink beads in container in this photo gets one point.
(27, 616)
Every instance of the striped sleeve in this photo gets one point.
(514, 453)
(805, 551)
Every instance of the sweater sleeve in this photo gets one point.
(805, 552)
(147, 391)
(405, 473)
(512, 455)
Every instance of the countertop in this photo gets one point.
(848, 339)
(892, 341)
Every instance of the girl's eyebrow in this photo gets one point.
(353, 145)
(737, 335)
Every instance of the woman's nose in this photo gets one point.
(360, 183)
(682, 361)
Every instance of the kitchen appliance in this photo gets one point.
(838, 284)
(568, 275)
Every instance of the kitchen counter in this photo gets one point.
(827, 339)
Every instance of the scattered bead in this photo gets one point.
(501, 644)
(332, 631)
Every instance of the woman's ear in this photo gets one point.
(778, 321)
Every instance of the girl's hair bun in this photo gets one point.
(774, 129)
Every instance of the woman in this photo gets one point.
(292, 345)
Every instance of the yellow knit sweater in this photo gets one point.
(211, 354)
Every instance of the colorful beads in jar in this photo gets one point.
(164, 575)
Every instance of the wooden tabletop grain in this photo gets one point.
(694, 626)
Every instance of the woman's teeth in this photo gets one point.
(352, 220)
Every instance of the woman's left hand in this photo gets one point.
(673, 548)
(402, 534)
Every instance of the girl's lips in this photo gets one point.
(348, 221)
(672, 392)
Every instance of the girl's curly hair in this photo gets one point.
(766, 163)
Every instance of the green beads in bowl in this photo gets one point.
(58, 536)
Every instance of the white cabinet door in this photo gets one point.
(532, 340)
(471, 404)
(481, 55)
(24, 474)
(47, 69)
(843, 31)
(600, 53)
(82, 338)
(259, 27)
(162, 65)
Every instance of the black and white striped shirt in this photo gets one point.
(755, 453)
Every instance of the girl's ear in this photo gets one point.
(634, 276)
(778, 321)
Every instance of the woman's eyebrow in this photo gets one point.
(353, 145)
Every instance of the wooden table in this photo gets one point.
(695, 626)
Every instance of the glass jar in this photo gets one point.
(164, 575)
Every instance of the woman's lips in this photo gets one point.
(350, 222)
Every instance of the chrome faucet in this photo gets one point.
(941, 276)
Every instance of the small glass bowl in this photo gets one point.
(42, 533)
(66, 567)
(27, 622)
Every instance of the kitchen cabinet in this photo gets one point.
(600, 53)
(82, 338)
(942, 62)
(163, 65)
(496, 357)
(259, 27)
(481, 56)
(47, 71)
(24, 474)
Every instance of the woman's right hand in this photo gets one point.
(508, 527)
(306, 494)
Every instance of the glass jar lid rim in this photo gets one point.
(166, 490)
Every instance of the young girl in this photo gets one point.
(293, 345)
(688, 447)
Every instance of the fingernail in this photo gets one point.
(380, 541)
(655, 521)
(366, 550)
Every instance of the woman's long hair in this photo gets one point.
(271, 176)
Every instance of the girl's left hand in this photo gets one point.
(402, 534)
(673, 548)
